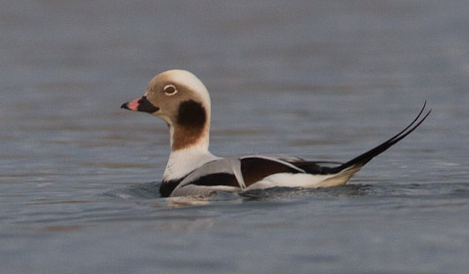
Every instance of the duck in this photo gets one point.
(181, 99)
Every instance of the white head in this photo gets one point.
(181, 99)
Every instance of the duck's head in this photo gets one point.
(181, 99)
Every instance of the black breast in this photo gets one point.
(167, 187)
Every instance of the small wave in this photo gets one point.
(149, 190)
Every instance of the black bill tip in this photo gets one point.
(140, 104)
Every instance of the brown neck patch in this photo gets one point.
(190, 124)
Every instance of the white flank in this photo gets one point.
(305, 180)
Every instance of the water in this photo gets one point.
(321, 80)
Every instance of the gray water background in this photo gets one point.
(323, 80)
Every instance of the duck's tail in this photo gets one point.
(351, 167)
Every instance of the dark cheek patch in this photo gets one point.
(191, 115)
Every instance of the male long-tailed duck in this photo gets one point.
(181, 99)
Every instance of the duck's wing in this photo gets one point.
(218, 175)
(235, 174)
(231, 174)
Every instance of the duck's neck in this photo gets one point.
(189, 150)
(189, 133)
(182, 138)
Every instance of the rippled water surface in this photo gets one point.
(323, 80)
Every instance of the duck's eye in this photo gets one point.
(170, 90)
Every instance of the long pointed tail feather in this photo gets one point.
(364, 158)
